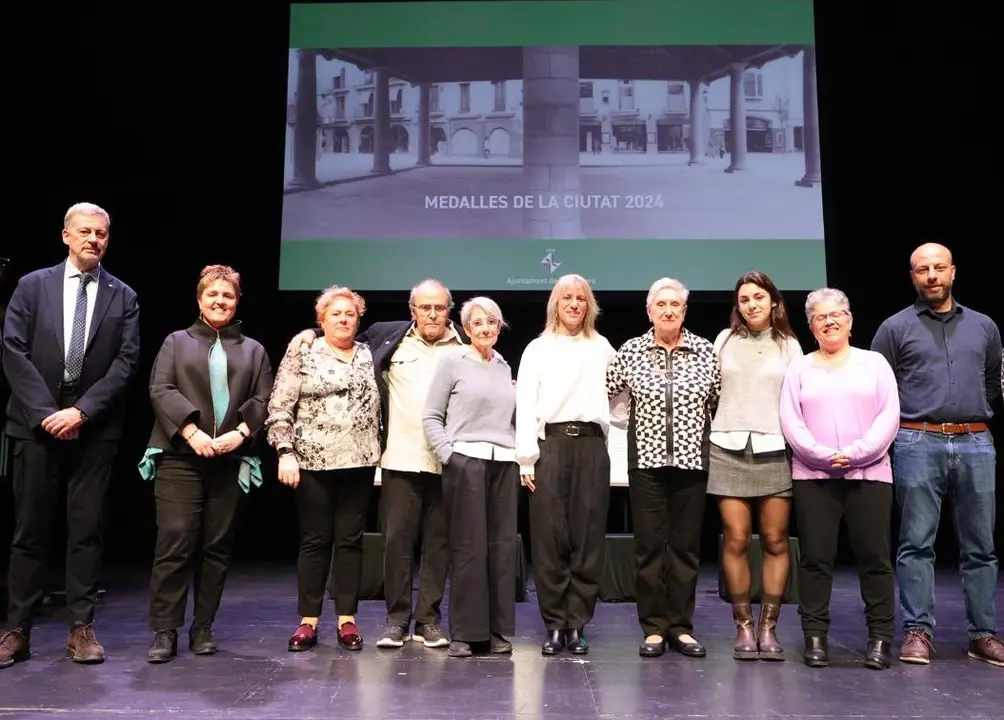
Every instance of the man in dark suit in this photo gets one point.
(70, 350)
(405, 354)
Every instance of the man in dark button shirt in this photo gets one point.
(947, 360)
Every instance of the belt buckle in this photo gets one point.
(572, 430)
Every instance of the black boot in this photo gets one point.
(554, 644)
(877, 655)
(576, 643)
(817, 653)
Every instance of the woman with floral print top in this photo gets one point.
(324, 422)
(672, 377)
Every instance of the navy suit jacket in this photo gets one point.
(383, 339)
(33, 355)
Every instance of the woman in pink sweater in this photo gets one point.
(839, 413)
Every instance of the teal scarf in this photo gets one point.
(249, 473)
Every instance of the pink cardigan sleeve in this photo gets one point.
(793, 425)
(877, 441)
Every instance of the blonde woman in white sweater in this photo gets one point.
(562, 421)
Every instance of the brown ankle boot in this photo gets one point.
(745, 646)
(770, 648)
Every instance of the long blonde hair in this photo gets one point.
(564, 283)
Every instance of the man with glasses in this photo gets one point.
(947, 360)
(405, 355)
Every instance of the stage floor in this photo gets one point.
(254, 676)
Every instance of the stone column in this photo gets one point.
(810, 123)
(737, 118)
(381, 123)
(424, 129)
(696, 123)
(305, 130)
(551, 141)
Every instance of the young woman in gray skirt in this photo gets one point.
(749, 464)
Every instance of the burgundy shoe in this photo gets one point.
(83, 647)
(917, 648)
(989, 650)
(349, 637)
(14, 647)
(305, 638)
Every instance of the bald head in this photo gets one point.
(933, 275)
(930, 253)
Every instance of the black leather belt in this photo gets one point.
(572, 430)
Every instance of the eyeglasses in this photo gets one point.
(490, 322)
(835, 316)
(429, 309)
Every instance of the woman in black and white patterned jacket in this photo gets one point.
(672, 377)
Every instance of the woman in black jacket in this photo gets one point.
(209, 388)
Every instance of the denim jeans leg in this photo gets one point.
(920, 471)
(974, 496)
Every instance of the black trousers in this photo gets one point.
(667, 510)
(568, 525)
(331, 506)
(198, 503)
(866, 508)
(481, 498)
(412, 508)
(42, 468)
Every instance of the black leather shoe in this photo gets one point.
(576, 643)
(877, 655)
(652, 649)
(692, 649)
(554, 644)
(164, 646)
(200, 640)
(817, 653)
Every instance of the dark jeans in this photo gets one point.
(866, 507)
(928, 467)
(331, 507)
(481, 498)
(41, 469)
(412, 509)
(568, 522)
(198, 502)
(667, 510)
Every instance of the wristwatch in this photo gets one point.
(284, 451)
(243, 434)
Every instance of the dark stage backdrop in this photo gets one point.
(174, 122)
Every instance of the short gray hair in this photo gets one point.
(667, 284)
(485, 303)
(85, 208)
(431, 282)
(822, 295)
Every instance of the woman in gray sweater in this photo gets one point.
(469, 422)
(749, 469)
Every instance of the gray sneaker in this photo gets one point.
(394, 636)
(432, 636)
